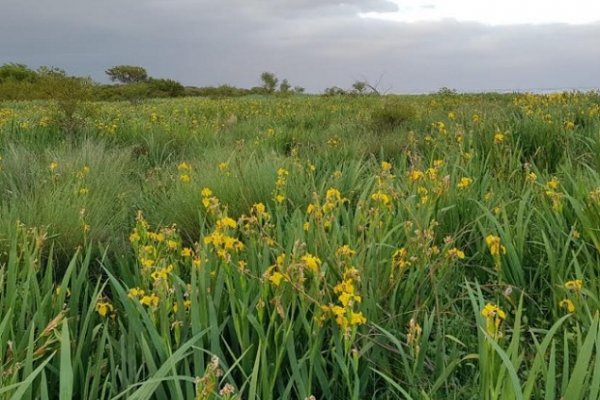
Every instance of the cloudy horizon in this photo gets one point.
(407, 46)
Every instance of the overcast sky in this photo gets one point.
(407, 45)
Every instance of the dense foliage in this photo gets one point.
(440, 246)
(19, 82)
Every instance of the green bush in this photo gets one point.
(393, 114)
(165, 88)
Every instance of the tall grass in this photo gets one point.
(294, 247)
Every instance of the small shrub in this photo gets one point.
(392, 115)
(69, 94)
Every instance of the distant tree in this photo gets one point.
(16, 72)
(446, 91)
(269, 81)
(359, 87)
(364, 86)
(127, 74)
(298, 89)
(334, 91)
(284, 86)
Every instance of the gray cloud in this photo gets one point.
(313, 43)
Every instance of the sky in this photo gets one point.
(402, 46)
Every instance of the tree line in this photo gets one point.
(133, 83)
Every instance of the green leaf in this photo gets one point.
(581, 370)
(66, 368)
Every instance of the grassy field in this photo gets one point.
(426, 247)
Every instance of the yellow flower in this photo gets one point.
(134, 237)
(574, 285)
(83, 172)
(553, 184)
(333, 141)
(311, 262)
(345, 251)
(276, 278)
(431, 173)
(147, 262)
(495, 246)
(184, 166)
(280, 260)
(531, 177)
(423, 194)
(347, 299)
(399, 259)
(223, 167)
(53, 166)
(186, 252)
(162, 274)
(464, 182)
(184, 178)
(492, 310)
(386, 166)
(282, 172)
(381, 198)
(103, 308)
(135, 293)
(279, 198)
(455, 253)
(150, 300)
(568, 304)
(340, 314)
(333, 195)
(206, 192)
(415, 175)
(226, 222)
(357, 318)
(157, 237)
(499, 137)
(259, 208)
(197, 262)
(494, 317)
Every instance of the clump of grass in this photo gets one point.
(392, 114)
(77, 193)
